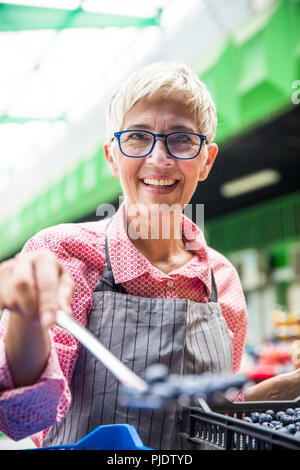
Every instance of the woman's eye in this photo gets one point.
(182, 139)
(137, 136)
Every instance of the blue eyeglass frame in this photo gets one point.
(155, 138)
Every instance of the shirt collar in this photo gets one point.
(128, 263)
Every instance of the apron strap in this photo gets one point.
(107, 281)
(214, 291)
(108, 263)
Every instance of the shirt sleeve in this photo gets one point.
(25, 411)
(28, 410)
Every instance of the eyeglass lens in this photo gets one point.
(182, 144)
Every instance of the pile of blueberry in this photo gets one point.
(165, 389)
(287, 421)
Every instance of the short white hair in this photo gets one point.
(163, 79)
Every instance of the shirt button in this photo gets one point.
(170, 283)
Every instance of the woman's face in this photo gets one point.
(160, 115)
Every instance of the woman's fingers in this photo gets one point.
(47, 272)
(65, 292)
(35, 285)
(23, 287)
(6, 294)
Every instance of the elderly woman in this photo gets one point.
(148, 297)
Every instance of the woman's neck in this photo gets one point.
(156, 233)
(159, 251)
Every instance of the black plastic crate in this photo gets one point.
(222, 428)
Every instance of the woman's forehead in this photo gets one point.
(161, 110)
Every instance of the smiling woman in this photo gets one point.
(162, 152)
(148, 294)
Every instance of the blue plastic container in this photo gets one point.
(110, 437)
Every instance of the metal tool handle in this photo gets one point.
(125, 375)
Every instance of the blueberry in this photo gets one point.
(297, 426)
(255, 417)
(284, 430)
(267, 425)
(270, 412)
(290, 411)
(286, 420)
(263, 417)
(247, 419)
(275, 423)
(296, 417)
(291, 428)
(163, 390)
(279, 414)
(278, 426)
(156, 373)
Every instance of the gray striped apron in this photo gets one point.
(189, 337)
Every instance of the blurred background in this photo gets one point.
(60, 60)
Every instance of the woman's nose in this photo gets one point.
(160, 153)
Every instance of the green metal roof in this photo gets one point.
(20, 18)
(6, 119)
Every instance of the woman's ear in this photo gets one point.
(108, 152)
(210, 156)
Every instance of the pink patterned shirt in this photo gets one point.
(32, 410)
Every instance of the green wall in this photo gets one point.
(273, 223)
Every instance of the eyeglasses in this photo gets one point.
(138, 144)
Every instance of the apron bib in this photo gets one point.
(188, 337)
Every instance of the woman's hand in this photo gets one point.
(33, 286)
(282, 387)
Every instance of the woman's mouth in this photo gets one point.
(159, 186)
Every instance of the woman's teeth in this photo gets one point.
(153, 182)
